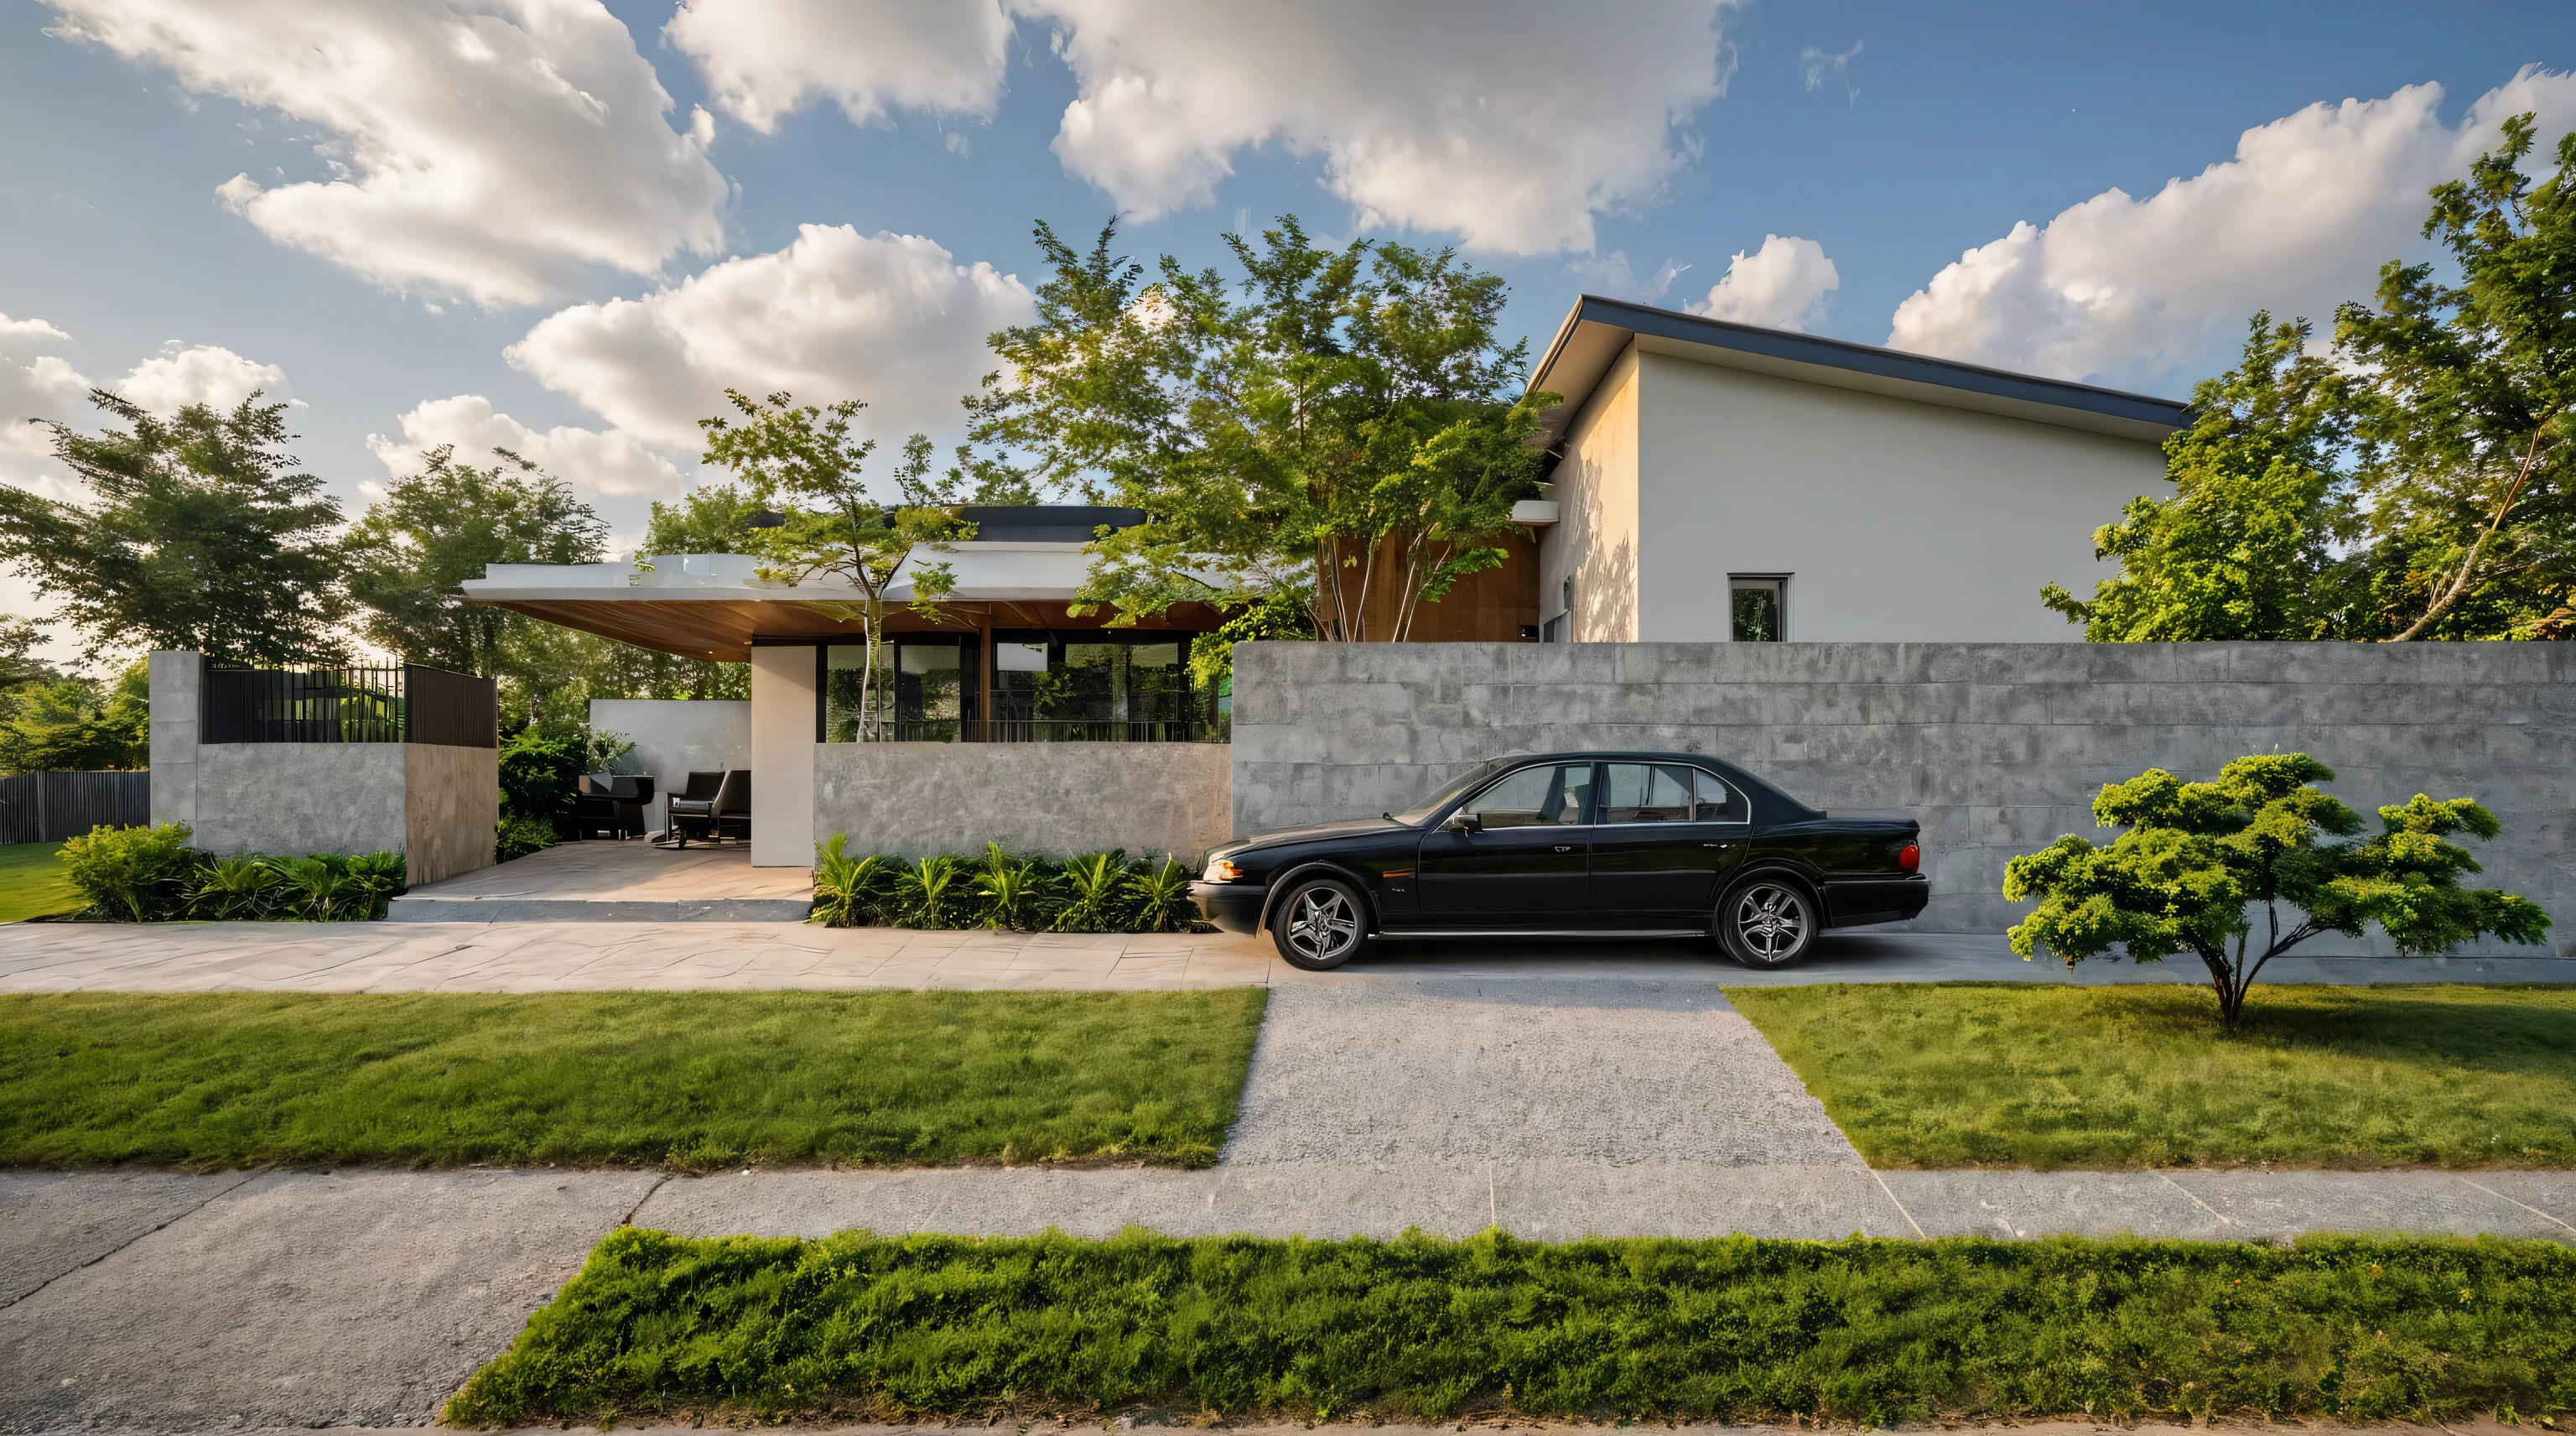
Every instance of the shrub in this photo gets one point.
(518, 837)
(236, 890)
(538, 771)
(133, 874)
(1097, 892)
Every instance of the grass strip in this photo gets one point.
(2006, 1074)
(691, 1079)
(34, 883)
(1737, 1329)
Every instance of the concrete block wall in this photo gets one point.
(675, 737)
(1996, 748)
(437, 805)
(920, 799)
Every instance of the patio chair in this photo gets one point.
(613, 804)
(693, 806)
(726, 815)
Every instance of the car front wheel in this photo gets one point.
(1768, 922)
(1319, 925)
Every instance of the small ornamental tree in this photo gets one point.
(2202, 862)
(808, 457)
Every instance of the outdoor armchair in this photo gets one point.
(694, 806)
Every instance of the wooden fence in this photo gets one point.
(49, 807)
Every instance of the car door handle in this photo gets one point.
(1565, 847)
(1712, 845)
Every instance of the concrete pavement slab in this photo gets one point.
(305, 1299)
(2551, 1195)
(52, 1223)
(2277, 1204)
(2036, 1204)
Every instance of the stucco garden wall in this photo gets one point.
(1059, 799)
(1996, 748)
(435, 804)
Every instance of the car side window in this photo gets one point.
(1646, 793)
(1550, 796)
(1719, 803)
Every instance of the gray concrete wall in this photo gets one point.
(1059, 799)
(177, 680)
(674, 737)
(295, 798)
(1996, 748)
(451, 809)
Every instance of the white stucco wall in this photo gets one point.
(1596, 538)
(675, 737)
(782, 757)
(1897, 521)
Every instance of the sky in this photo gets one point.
(565, 228)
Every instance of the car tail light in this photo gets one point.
(1221, 871)
(1909, 857)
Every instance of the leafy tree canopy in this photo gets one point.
(811, 460)
(77, 724)
(200, 534)
(2416, 484)
(1331, 420)
(441, 526)
(2199, 859)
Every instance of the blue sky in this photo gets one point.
(427, 185)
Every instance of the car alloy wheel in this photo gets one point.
(1319, 926)
(1769, 923)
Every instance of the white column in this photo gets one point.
(782, 757)
(177, 680)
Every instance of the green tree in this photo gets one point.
(201, 534)
(2238, 551)
(18, 661)
(437, 528)
(1335, 415)
(77, 724)
(712, 518)
(808, 456)
(2469, 488)
(2200, 859)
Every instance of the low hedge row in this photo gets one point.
(152, 875)
(1097, 892)
(1733, 1330)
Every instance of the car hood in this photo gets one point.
(1282, 836)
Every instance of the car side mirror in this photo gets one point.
(1464, 823)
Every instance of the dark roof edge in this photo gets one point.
(1869, 359)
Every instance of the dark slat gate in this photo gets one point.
(49, 807)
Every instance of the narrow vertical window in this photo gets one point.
(1758, 602)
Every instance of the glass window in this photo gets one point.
(1646, 793)
(1092, 687)
(1758, 603)
(1717, 803)
(1550, 796)
(1448, 793)
(844, 665)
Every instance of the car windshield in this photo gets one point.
(1451, 793)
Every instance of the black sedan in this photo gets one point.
(1574, 845)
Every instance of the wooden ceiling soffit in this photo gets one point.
(724, 628)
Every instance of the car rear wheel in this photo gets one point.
(1319, 925)
(1767, 922)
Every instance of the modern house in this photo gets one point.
(1720, 482)
(1709, 481)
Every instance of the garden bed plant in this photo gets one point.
(1096, 892)
(152, 875)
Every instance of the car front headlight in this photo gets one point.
(1222, 870)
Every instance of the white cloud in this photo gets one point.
(183, 374)
(1782, 285)
(489, 149)
(614, 462)
(43, 387)
(2132, 291)
(764, 58)
(891, 319)
(23, 330)
(1511, 125)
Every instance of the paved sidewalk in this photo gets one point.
(563, 957)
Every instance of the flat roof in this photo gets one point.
(1598, 330)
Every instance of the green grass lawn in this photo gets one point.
(1969, 1074)
(32, 883)
(1733, 1330)
(692, 1079)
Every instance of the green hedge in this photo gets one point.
(1097, 892)
(152, 875)
(1728, 1330)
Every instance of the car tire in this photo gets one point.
(1768, 921)
(1319, 925)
